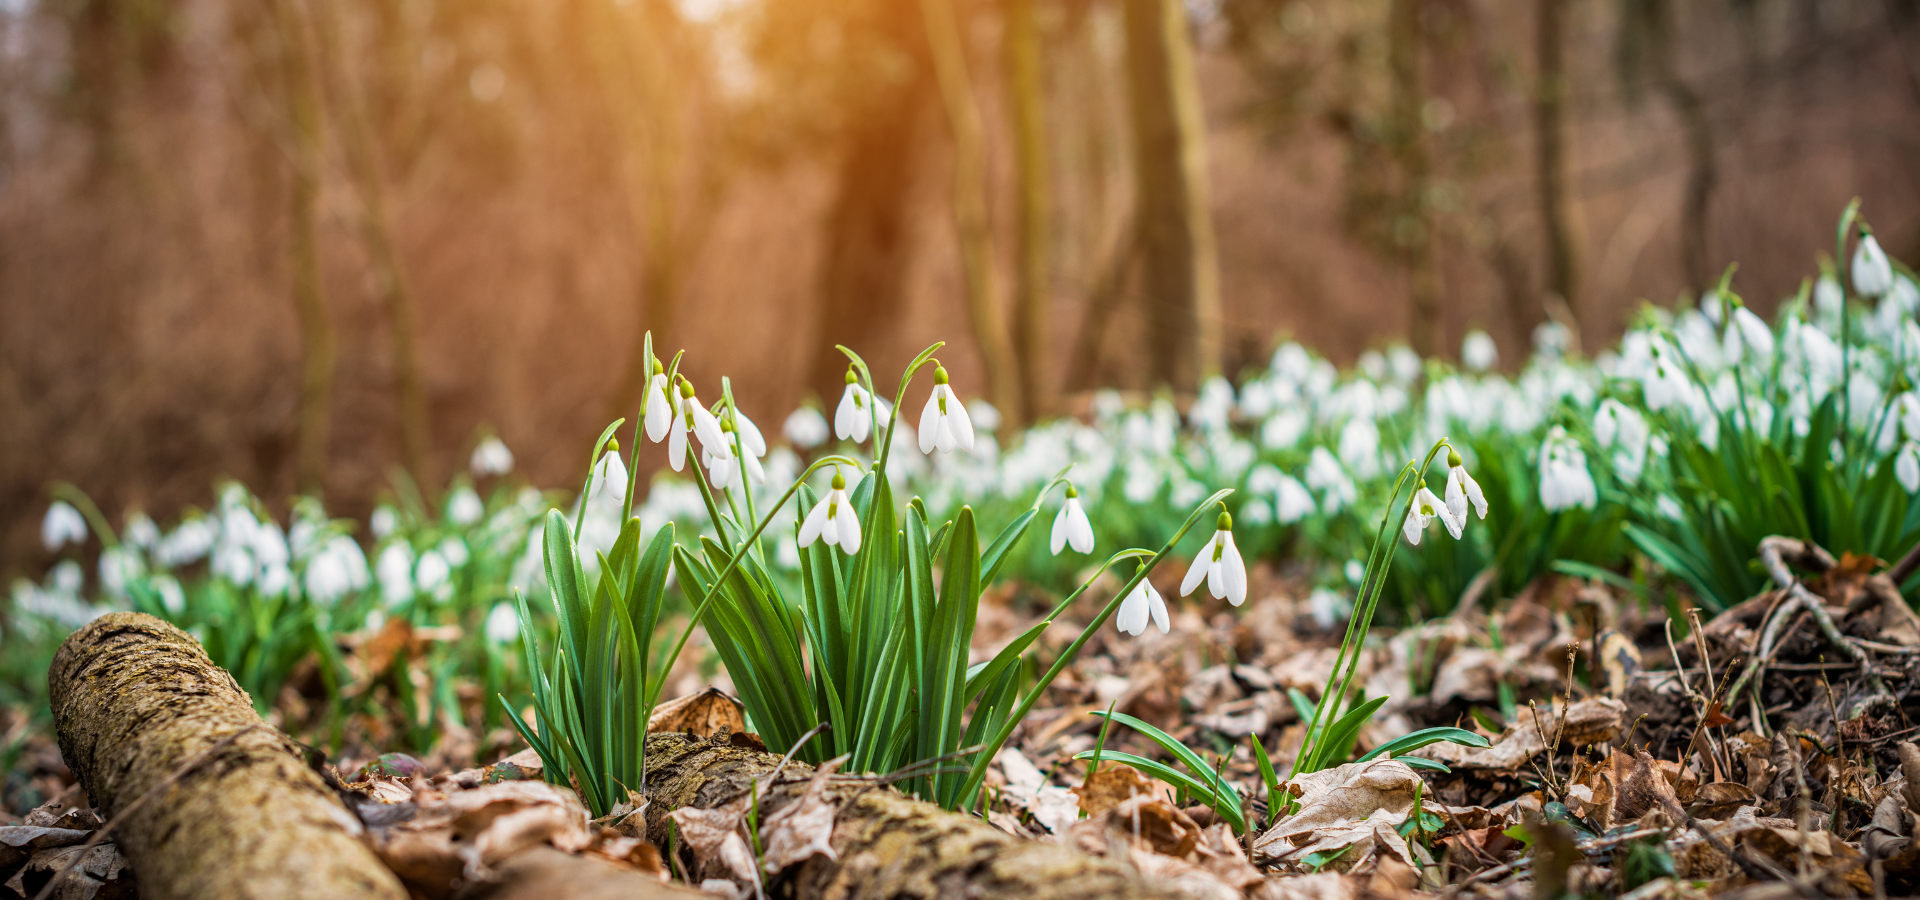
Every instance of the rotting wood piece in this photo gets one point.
(134, 700)
(886, 845)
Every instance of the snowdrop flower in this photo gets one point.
(1623, 428)
(465, 507)
(1749, 333)
(695, 420)
(806, 428)
(339, 567)
(141, 531)
(1327, 606)
(1906, 466)
(1872, 273)
(383, 522)
(118, 567)
(724, 471)
(1564, 480)
(1551, 339)
(659, 415)
(852, 421)
(1665, 385)
(1220, 565)
(63, 525)
(503, 624)
(1828, 298)
(1426, 507)
(1291, 501)
(1461, 490)
(172, 598)
(1071, 527)
(944, 423)
(491, 458)
(1478, 352)
(433, 573)
(190, 541)
(833, 520)
(1143, 604)
(610, 474)
(394, 570)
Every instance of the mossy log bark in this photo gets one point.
(886, 845)
(134, 701)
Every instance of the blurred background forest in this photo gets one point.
(310, 243)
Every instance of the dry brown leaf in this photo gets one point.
(1356, 805)
(462, 835)
(1180, 876)
(714, 836)
(1109, 787)
(799, 830)
(701, 715)
(1053, 807)
(1318, 886)
(1721, 799)
(1638, 787)
(1910, 769)
(1219, 853)
(1620, 659)
(103, 874)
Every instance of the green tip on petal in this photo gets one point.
(1071, 493)
(939, 374)
(1453, 458)
(839, 481)
(851, 377)
(1225, 521)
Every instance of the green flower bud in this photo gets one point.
(851, 377)
(659, 369)
(1071, 493)
(613, 445)
(939, 374)
(1453, 458)
(1225, 522)
(839, 481)
(686, 387)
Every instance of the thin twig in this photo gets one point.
(205, 757)
(1771, 555)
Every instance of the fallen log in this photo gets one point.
(219, 804)
(884, 844)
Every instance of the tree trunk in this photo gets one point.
(1405, 41)
(1180, 264)
(1033, 296)
(862, 290)
(317, 340)
(971, 222)
(364, 161)
(885, 845)
(1550, 103)
(134, 701)
(1702, 173)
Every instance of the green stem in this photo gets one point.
(976, 776)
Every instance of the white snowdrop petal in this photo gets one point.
(1157, 607)
(1234, 570)
(929, 423)
(958, 421)
(815, 521)
(1079, 529)
(1059, 537)
(1197, 572)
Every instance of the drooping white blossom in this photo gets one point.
(806, 428)
(1071, 527)
(1143, 603)
(1219, 564)
(1565, 482)
(944, 423)
(1478, 352)
(490, 457)
(659, 402)
(1872, 273)
(62, 525)
(833, 520)
(853, 419)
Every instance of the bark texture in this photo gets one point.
(134, 700)
(885, 845)
(543, 873)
